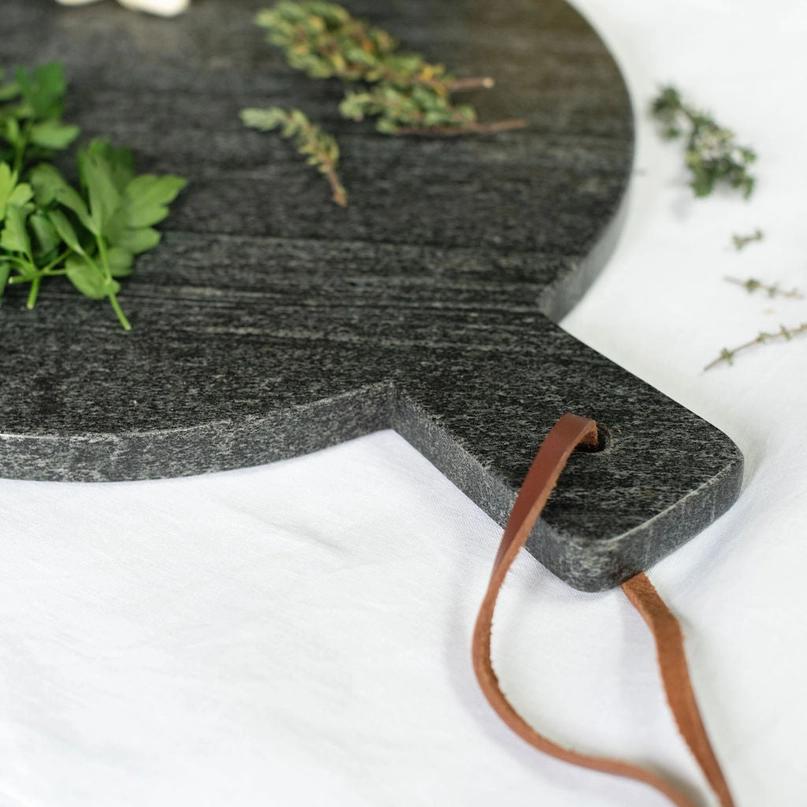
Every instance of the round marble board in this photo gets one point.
(270, 323)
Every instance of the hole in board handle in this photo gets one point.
(603, 441)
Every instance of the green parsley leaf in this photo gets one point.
(88, 278)
(47, 238)
(54, 135)
(119, 161)
(105, 200)
(10, 192)
(15, 235)
(50, 186)
(47, 182)
(43, 90)
(121, 262)
(147, 199)
(137, 241)
(66, 230)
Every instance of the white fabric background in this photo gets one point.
(237, 639)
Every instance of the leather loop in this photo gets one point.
(568, 433)
(677, 684)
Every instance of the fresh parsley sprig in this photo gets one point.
(31, 108)
(89, 233)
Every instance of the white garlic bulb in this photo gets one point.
(165, 8)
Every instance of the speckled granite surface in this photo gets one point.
(271, 324)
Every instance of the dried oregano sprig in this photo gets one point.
(49, 228)
(403, 92)
(323, 40)
(713, 155)
(319, 148)
(417, 110)
(406, 93)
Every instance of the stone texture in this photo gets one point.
(271, 323)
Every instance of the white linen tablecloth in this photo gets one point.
(298, 634)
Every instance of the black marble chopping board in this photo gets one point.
(271, 323)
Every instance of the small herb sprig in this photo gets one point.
(752, 285)
(89, 233)
(319, 148)
(31, 108)
(418, 110)
(740, 242)
(408, 92)
(401, 91)
(712, 153)
(728, 355)
(323, 40)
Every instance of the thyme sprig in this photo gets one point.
(712, 153)
(49, 228)
(740, 242)
(714, 157)
(319, 148)
(752, 285)
(728, 355)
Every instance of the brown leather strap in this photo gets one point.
(672, 662)
(569, 432)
